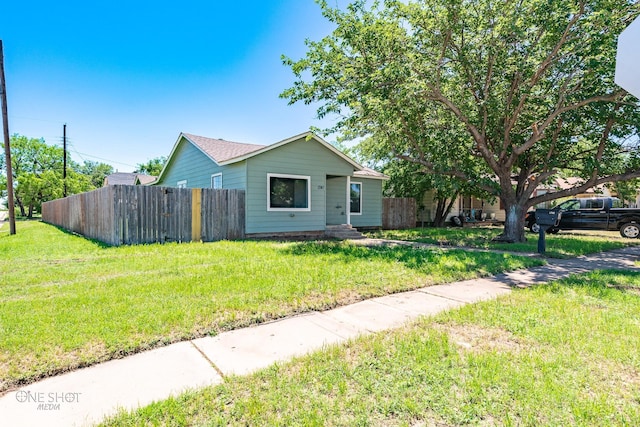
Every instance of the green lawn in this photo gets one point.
(560, 354)
(561, 245)
(69, 302)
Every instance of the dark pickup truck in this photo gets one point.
(601, 213)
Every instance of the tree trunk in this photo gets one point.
(513, 225)
(18, 202)
(438, 220)
(443, 208)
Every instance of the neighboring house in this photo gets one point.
(123, 178)
(570, 182)
(470, 207)
(300, 184)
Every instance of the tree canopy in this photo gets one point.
(38, 173)
(503, 94)
(153, 167)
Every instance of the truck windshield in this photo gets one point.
(569, 205)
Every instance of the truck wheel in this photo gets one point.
(534, 227)
(630, 230)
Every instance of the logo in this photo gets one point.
(47, 401)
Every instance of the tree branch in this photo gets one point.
(538, 133)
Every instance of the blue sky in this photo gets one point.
(128, 76)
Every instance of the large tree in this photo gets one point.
(96, 171)
(38, 176)
(153, 167)
(529, 84)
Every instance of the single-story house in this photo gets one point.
(469, 206)
(298, 185)
(126, 178)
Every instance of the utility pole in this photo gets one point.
(7, 148)
(64, 160)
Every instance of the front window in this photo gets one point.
(182, 184)
(288, 192)
(355, 195)
(216, 181)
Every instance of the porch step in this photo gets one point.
(342, 232)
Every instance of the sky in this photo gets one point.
(128, 76)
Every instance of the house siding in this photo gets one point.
(234, 177)
(196, 168)
(302, 157)
(371, 203)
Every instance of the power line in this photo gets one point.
(103, 159)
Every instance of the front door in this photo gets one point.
(336, 200)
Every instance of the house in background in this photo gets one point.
(300, 185)
(570, 182)
(124, 178)
(470, 207)
(479, 209)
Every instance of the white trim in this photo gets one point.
(182, 183)
(347, 205)
(281, 175)
(349, 195)
(215, 175)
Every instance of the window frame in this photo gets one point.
(213, 176)
(360, 184)
(288, 176)
(182, 183)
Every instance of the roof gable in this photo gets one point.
(219, 150)
(224, 152)
(308, 136)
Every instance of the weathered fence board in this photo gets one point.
(128, 214)
(398, 213)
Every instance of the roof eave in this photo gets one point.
(308, 135)
(381, 178)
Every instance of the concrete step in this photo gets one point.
(343, 232)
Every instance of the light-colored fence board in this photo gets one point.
(398, 213)
(128, 214)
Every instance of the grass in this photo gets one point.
(559, 354)
(69, 302)
(561, 245)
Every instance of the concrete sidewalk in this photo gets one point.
(86, 396)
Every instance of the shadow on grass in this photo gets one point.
(426, 260)
(600, 283)
(100, 244)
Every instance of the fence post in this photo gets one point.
(196, 215)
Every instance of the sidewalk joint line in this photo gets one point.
(213, 365)
(442, 296)
(310, 319)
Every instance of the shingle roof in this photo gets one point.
(146, 179)
(121, 178)
(221, 150)
(128, 178)
(369, 173)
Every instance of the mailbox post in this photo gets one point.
(546, 218)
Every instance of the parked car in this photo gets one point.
(598, 213)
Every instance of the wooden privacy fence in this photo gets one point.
(132, 214)
(398, 213)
